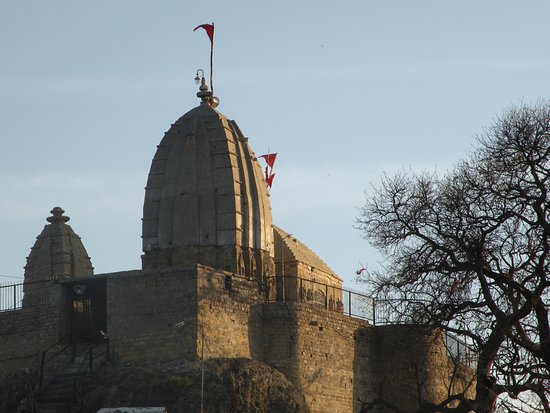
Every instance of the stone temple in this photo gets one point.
(214, 261)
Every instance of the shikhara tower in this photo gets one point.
(206, 199)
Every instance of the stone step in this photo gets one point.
(57, 394)
(55, 407)
(65, 377)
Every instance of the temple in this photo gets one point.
(212, 257)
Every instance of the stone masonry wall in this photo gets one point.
(144, 308)
(414, 367)
(19, 332)
(25, 333)
(230, 311)
(341, 363)
(326, 354)
(143, 312)
(338, 362)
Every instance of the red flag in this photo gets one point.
(209, 30)
(270, 180)
(270, 158)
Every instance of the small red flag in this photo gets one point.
(270, 180)
(209, 30)
(270, 158)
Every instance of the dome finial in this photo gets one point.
(57, 216)
(206, 95)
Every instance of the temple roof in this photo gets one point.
(58, 252)
(295, 250)
(206, 188)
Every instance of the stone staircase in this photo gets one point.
(60, 394)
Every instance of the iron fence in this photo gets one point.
(341, 300)
(460, 351)
(349, 302)
(14, 295)
(11, 296)
(357, 305)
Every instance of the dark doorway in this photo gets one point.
(88, 308)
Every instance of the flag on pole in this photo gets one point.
(270, 158)
(270, 180)
(209, 28)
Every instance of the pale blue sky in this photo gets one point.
(343, 91)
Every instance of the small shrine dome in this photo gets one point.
(58, 252)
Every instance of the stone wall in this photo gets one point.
(19, 332)
(26, 332)
(230, 311)
(414, 367)
(327, 355)
(151, 315)
(146, 310)
(341, 363)
(338, 362)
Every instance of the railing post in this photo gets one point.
(91, 360)
(15, 296)
(41, 374)
(349, 302)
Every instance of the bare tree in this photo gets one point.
(472, 247)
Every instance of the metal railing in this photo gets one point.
(341, 300)
(35, 380)
(460, 351)
(61, 347)
(85, 369)
(32, 403)
(357, 305)
(348, 302)
(13, 296)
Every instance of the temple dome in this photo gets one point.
(58, 252)
(206, 199)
